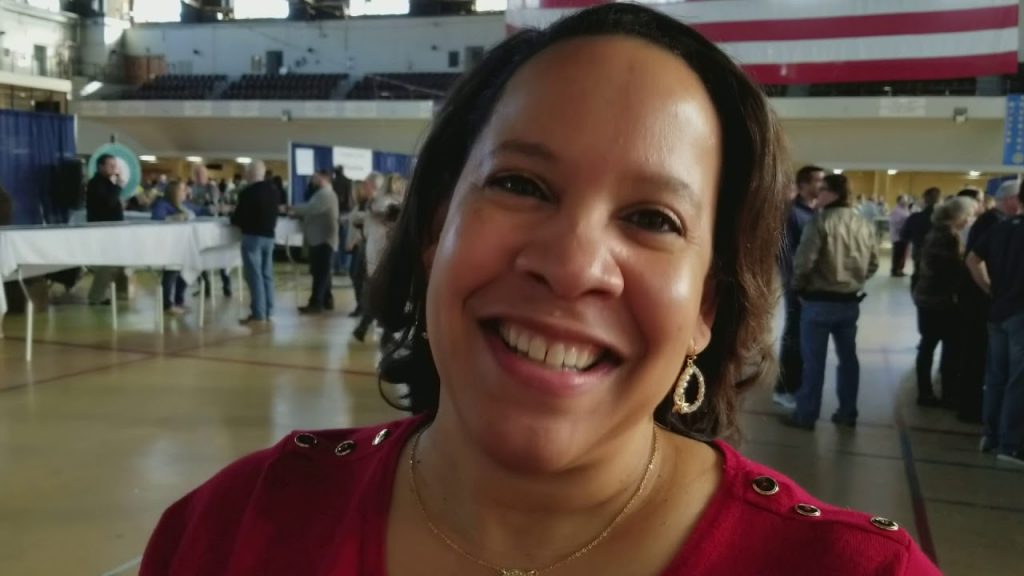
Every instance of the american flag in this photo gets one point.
(826, 41)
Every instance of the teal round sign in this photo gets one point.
(128, 167)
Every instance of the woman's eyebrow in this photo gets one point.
(526, 148)
(675, 184)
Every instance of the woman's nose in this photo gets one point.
(571, 254)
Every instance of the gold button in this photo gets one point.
(807, 510)
(345, 448)
(765, 485)
(381, 436)
(305, 440)
(885, 524)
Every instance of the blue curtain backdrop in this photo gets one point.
(323, 159)
(32, 146)
(389, 162)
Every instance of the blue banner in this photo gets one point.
(1013, 131)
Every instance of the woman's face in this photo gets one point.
(569, 281)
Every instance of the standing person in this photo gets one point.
(385, 197)
(917, 227)
(173, 207)
(207, 197)
(103, 204)
(935, 295)
(256, 216)
(838, 253)
(997, 265)
(974, 308)
(809, 180)
(356, 245)
(320, 228)
(868, 208)
(979, 207)
(897, 219)
(343, 188)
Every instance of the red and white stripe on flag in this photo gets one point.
(826, 41)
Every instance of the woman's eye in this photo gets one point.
(518, 185)
(658, 221)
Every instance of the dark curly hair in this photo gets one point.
(753, 184)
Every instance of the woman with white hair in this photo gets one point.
(935, 294)
(384, 198)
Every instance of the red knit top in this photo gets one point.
(317, 503)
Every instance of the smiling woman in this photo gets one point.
(581, 282)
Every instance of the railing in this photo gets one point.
(51, 67)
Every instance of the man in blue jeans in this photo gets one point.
(256, 215)
(838, 252)
(997, 264)
(809, 180)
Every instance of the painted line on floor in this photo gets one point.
(37, 341)
(1010, 509)
(123, 567)
(917, 502)
(265, 364)
(83, 372)
(933, 462)
(775, 414)
(927, 430)
(822, 452)
(929, 461)
(863, 424)
(144, 356)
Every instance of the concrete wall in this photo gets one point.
(23, 27)
(356, 46)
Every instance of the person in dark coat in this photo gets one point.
(256, 216)
(916, 229)
(940, 275)
(103, 204)
(974, 306)
(809, 181)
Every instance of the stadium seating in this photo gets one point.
(284, 87)
(177, 87)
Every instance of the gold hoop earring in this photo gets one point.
(679, 403)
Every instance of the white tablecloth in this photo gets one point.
(288, 232)
(189, 246)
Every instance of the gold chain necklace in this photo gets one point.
(517, 571)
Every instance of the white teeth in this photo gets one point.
(555, 355)
(586, 357)
(560, 355)
(538, 348)
(572, 355)
(523, 343)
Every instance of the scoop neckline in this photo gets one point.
(377, 514)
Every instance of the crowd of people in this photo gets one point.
(344, 223)
(967, 284)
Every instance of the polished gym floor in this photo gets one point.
(104, 429)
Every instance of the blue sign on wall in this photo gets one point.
(1013, 131)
